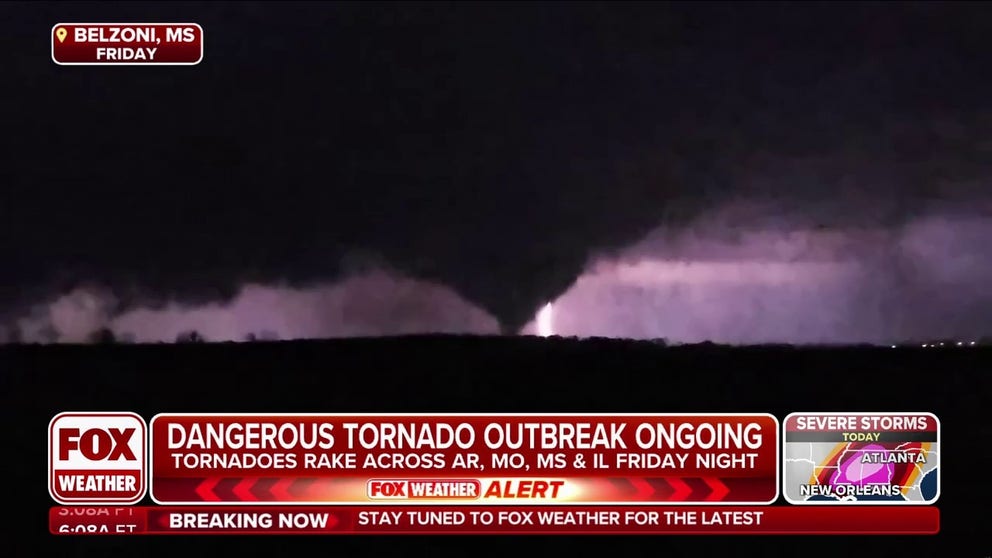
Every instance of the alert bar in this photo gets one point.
(506, 520)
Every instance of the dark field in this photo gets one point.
(469, 374)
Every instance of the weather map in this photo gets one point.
(861, 458)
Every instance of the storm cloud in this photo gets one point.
(757, 283)
(374, 303)
(616, 161)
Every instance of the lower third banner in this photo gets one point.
(469, 459)
(508, 520)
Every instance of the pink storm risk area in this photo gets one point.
(758, 283)
(854, 470)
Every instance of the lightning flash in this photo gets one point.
(544, 321)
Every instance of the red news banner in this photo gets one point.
(127, 44)
(442, 474)
(464, 459)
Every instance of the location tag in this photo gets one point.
(126, 44)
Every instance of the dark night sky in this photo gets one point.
(488, 147)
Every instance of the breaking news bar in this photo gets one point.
(344, 520)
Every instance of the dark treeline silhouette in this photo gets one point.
(103, 336)
(191, 336)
